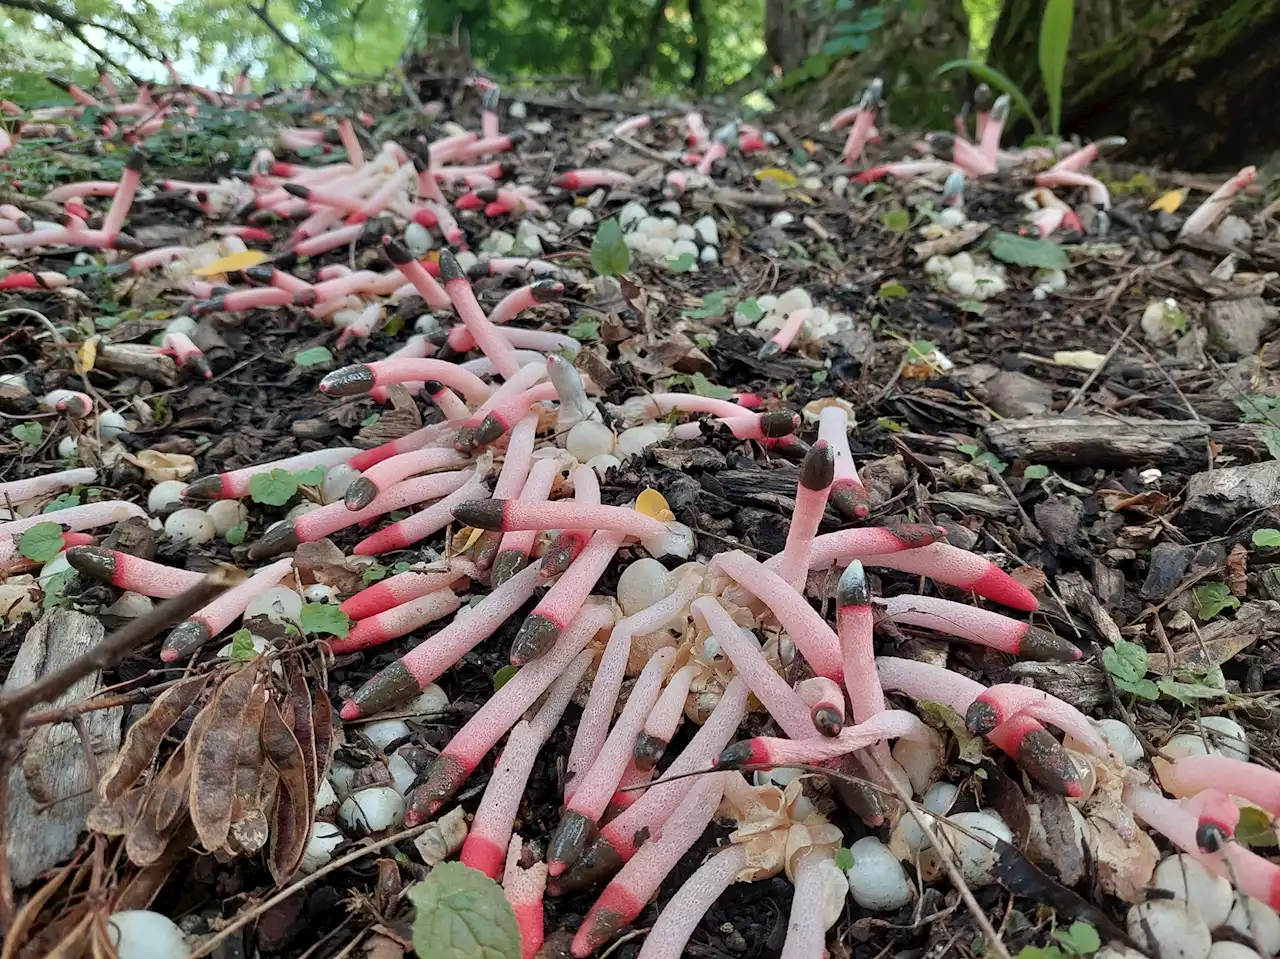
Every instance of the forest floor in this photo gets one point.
(1124, 470)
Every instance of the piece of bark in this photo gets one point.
(953, 242)
(1216, 499)
(1076, 594)
(50, 792)
(131, 359)
(1168, 563)
(1080, 685)
(1220, 640)
(1016, 395)
(1099, 441)
(1237, 325)
(974, 504)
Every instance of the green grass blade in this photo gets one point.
(995, 78)
(1055, 38)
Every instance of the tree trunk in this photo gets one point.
(701, 43)
(793, 29)
(1189, 82)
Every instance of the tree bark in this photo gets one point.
(1189, 82)
(701, 43)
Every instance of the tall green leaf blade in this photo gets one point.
(1001, 81)
(1055, 39)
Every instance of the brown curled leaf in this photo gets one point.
(250, 762)
(212, 782)
(291, 814)
(1238, 570)
(117, 817)
(303, 724)
(144, 737)
(162, 811)
(386, 892)
(322, 727)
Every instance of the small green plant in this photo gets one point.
(41, 542)
(584, 329)
(314, 356)
(324, 619)
(713, 305)
(1075, 942)
(980, 458)
(1035, 472)
(1266, 538)
(28, 434)
(750, 310)
(1127, 664)
(62, 501)
(504, 675)
(236, 534)
(1265, 410)
(462, 914)
(1210, 599)
(609, 253)
(896, 220)
(242, 646)
(1025, 251)
(274, 488)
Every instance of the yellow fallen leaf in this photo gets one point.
(472, 535)
(654, 505)
(773, 174)
(87, 356)
(232, 263)
(809, 146)
(1169, 202)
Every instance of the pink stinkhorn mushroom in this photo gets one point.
(630, 891)
(431, 291)
(458, 760)
(591, 179)
(524, 887)
(773, 751)
(33, 281)
(506, 414)
(581, 813)
(491, 828)
(593, 727)
(447, 489)
(235, 484)
(1078, 160)
(365, 488)
(350, 142)
(1022, 738)
(19, 491)
(1217, 816)
(862, 123)
(778, 343)
(397, 621)
(982, 627)
(420, 525)
(1212, 209)
(179, 346)
(515, 470)
(807, 629)
(919, 551)
(428, 435)
(1192, 774)
(989, 139)
(961, 152)
(855, 623)
(424, 663)
(239, 300)
(77, 518)
(192, 633)
(659, 538)
(663, 720)
(403, 588)
(74, 404)
(696, 895)
(133, 573)
(620, 838)
(847, 495)
(482, 330)
(999, 703)
(1099, 195)
(1254, 875)
(806, 933)
(362, 377)
(825, 700)
(123, 198)
(783, 703)
(511, 306)
(817, 474)
(515, 547)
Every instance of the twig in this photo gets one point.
(642, 149)
(73, 23)
(1097, 370)
(261, 13)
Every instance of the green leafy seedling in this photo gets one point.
(274, 488)
(462, 914)
(41, 542)
(324, 619)
(609, 253)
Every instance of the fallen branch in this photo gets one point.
(261, 13)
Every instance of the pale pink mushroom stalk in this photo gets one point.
(817, 474)
(786, 707)
(1001, 702)
(417, 347)
(1252, 874)
(20, 564)
(290, 533)
(696, 895)
(472, 175)
(491, 828)
(486, 146)
(1193, 774)
(526, 377)
(363, 326)
(406, 532)
(1022, 738)
(235, 484)
(921, 552)
(806, 934)
(47, 280)
(848, 495)
(449, 148)
(133, 573)
(383, 627)
(239, 300)
(772, 751)
(516, 464)
(630, 789)
(383, 195)
(982, 627)
(77, 518)
(863, 122)
(1078, 160)
(961, 152)
(825, 700)
(503, 416)
(189, 635)
(902, 170)
(591, 179)
(659, 538)
(403, 588)
(1213, 209)
(431, 434)
(382, 476)
(716, 151)
(855, 624)
(621, 837)
(74, 404)
(1098, 193)
(806, 627)
(18, 491)
(123, 199)
(428, 186)
(330, 241)
(515, 547)
(350, 142)
(582, 812)
(993, 129)
(486, 335)
(524, 888)
(778, 343)
(426, 662)
(1217, 816)
(663, 719)
(593, 727)
(630, 891)
(143, 262)
(500, 712)
(23, 222)
(362, 377)
(426, 285)
(186, 353)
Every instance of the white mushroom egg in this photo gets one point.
(950, 218)
(1167, 928)
(1190, 882)
(325, 838)
(418, 239)
(68, 447)
(962, 283)
(302, 509)
(191, 526)
(659, 247)
(1231, 950)
(642, 584)
(466, 259)
(402, 774)
(325, 795)
(709, 254)
(142, 934)
(340, 778)
(375, 809)
(794, 299)
(683, 247)
(58, 564)
(707, 230)
(649, 226)
(938, 265)
(603, 462)
(587, 439)
(430, 702)
(876, 879)
(385, 732)
(1257, 922)
(167, 496)
(636, 440)
(781, 219)
(227, 514)
(686, 232)
(278, 603)
(580, 216)
(1227, 736)
(962, 262)
(631, 215)
(320, 593)
(336, 480)
(1122, 740)
(111, 424)
(130, 605)
(977, 861)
